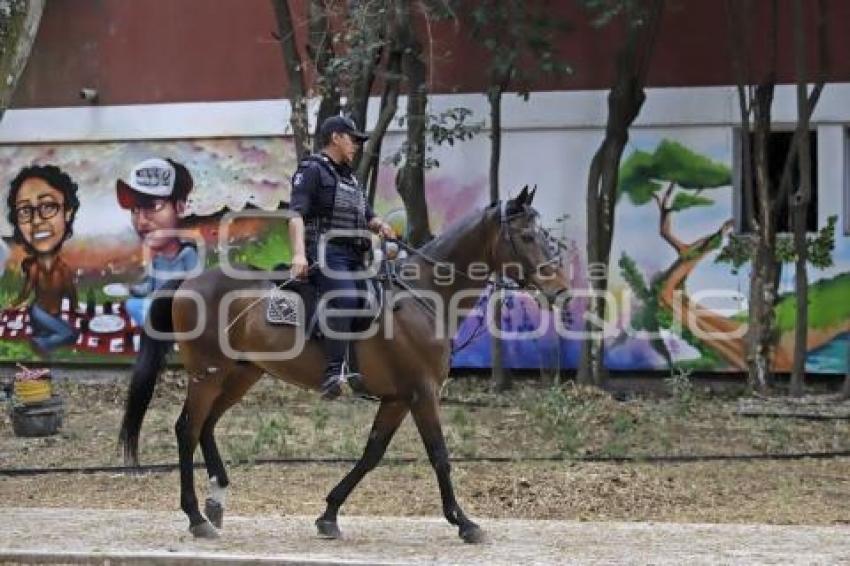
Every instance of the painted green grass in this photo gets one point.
(266, 252)
(829, 304)
(10, 285)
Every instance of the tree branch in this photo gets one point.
(294, 67)
(321, 48)
(667, 194)
(665, 224)
(389, 107)
(700, 245)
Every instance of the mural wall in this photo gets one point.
(70, 274)
(74, 283)
(672, 303)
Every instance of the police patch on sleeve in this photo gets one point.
(297, 179)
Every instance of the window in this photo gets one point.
(778, 144)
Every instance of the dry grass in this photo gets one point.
(799, 492)
(531, 421)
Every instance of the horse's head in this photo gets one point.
(524, 250)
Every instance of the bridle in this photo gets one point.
(499, 283)
(505, 219)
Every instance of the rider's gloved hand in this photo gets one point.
(379, 226)
(387, 231)
(298, 269)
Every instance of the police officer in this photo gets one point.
(327, 197)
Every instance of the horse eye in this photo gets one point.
(527, 237)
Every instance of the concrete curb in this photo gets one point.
(165, 559)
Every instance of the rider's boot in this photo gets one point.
(337, 377)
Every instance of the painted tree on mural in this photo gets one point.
(676, 179)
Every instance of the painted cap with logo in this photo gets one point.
(154, 179)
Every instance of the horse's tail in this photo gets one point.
(149, 364)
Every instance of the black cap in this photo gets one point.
(342, 125)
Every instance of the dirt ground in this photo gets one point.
(143, 537)
(532, 421)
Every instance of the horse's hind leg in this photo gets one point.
(390, 416)
(234, 387)
(425, 410)
(203, 391)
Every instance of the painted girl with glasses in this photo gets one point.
(42, 203)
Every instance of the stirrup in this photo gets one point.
(339, 383)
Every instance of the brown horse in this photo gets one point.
(405, 369)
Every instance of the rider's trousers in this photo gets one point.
(335, 277)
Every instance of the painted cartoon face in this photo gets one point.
(151, 221)
(41, 215)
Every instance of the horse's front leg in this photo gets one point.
(425, 411)
(390, 415)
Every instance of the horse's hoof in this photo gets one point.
(214, 512)
(203, 530)
(328, 529)
(472, 534)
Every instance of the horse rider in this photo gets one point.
(327, 197)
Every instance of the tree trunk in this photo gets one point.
(322, 52)
(800, 202)
(410, 181)
(764, 277)
(370, 160)
(367, 167)
(737, 34)
(500, 377)
(370, 41)
(494, 95)
(800, 205)
(765, 273)
(369, 46)
(624, 103)
(17, 35)
(294, 67)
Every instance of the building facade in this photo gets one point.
(203, 83)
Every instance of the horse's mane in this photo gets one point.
(454, 232)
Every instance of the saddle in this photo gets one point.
(295, 302)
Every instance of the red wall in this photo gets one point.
(148, 51)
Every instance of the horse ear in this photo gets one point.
(523, 197)
(531, 194)
(516, 204)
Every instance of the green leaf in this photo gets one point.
(684, 201)
(676, 163)
(632, 275)
(636, 178)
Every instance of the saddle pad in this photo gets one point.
(294, 304)
(282, 308)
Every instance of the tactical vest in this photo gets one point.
(348, 211)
